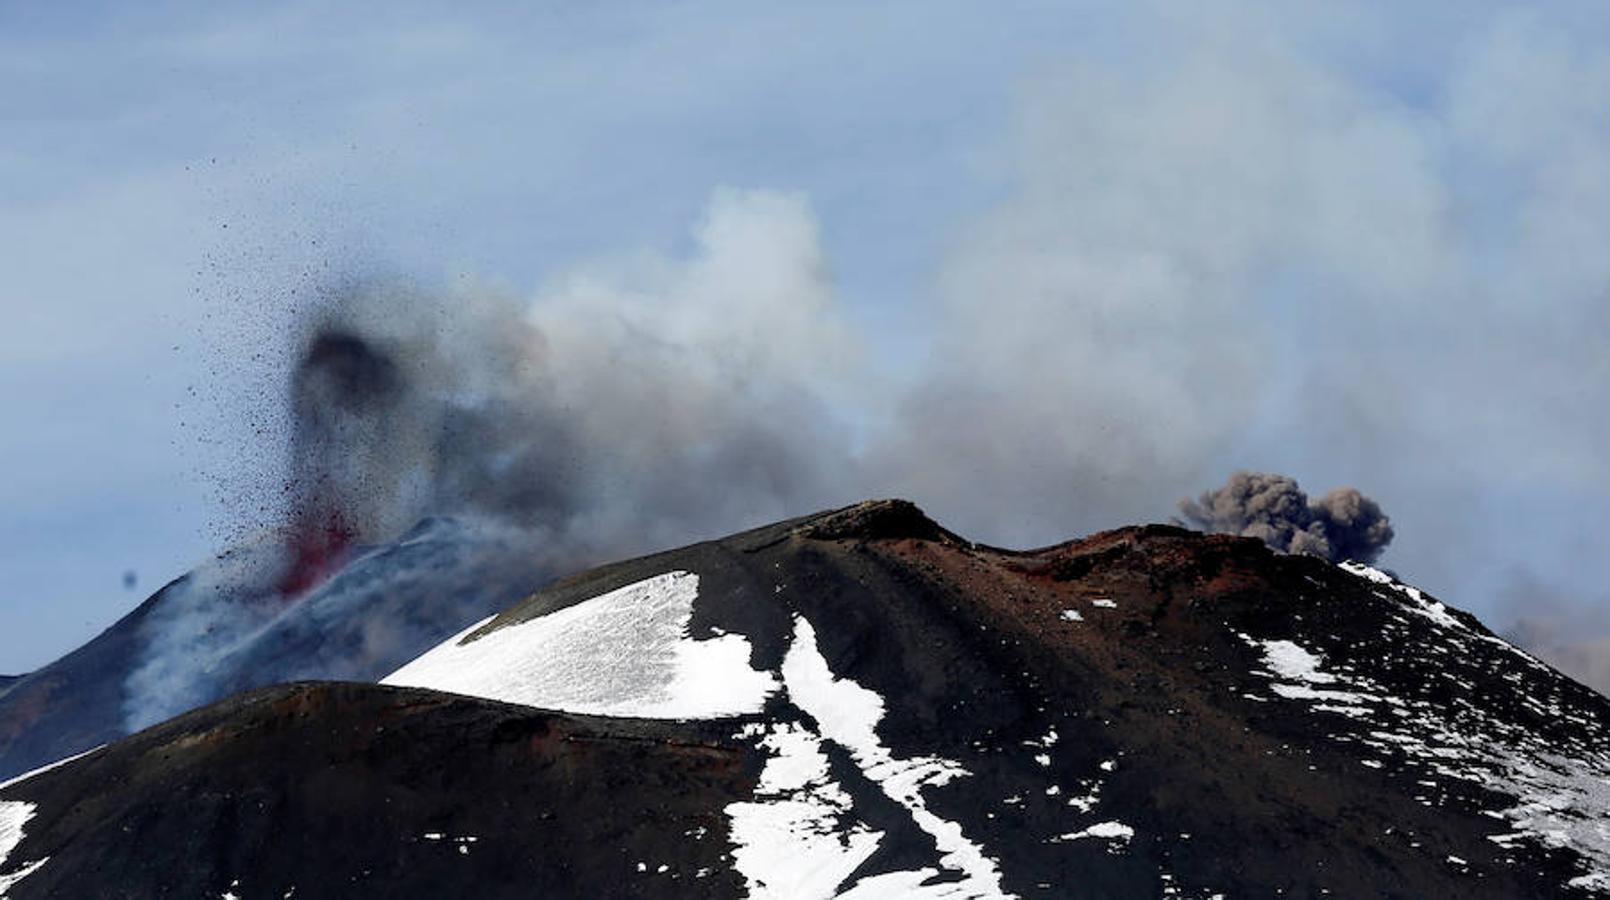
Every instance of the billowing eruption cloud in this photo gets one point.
(1342, 525)
(618, 411)
(621, 411)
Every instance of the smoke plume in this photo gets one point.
(623, 410)
(617, 412)
(1342, 525)
(231, 624)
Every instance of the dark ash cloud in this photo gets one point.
(1342, 525)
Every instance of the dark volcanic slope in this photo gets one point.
(226, 627)
(1146, 712)
(73, 703)
(342, 790)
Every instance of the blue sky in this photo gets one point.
(1359, 247)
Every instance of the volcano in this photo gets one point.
(240, 621)
(862, 704)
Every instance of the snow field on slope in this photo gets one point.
(623, 653)
(627, 653)
(792, 842)
(1559, 801)
(14, 814)
(1434, 611)
(848, 714)
(775, 834)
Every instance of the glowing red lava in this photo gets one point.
(317, 545)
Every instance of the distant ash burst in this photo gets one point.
(1342, 525)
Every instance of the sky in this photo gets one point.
(1046, 267)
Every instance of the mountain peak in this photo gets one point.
(860, 703)
(882, 519)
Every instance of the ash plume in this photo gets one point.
(603, 419)
(616, 414)
(1342, 525)
(345, 395)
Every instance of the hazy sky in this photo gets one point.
(1144, 247)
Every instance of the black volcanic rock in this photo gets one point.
(341, 790)
(875, 520)
(1146, 712)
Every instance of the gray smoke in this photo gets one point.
(616, 414)
(1342, 525)
(347, 396)
(230, 624)
(597, 437)
(1586, 659)
(1567, 631)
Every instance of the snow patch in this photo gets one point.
(1595, 881)
(912, 885)
(1087, 802)
(1559, 800)
(1431, 609)
(624, 653)
(1111, 831)
(1437, 612)
(1293, 663)
(14, 814)
(799, 837)
(848, 714)
(1562, 803)
(790, 841)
